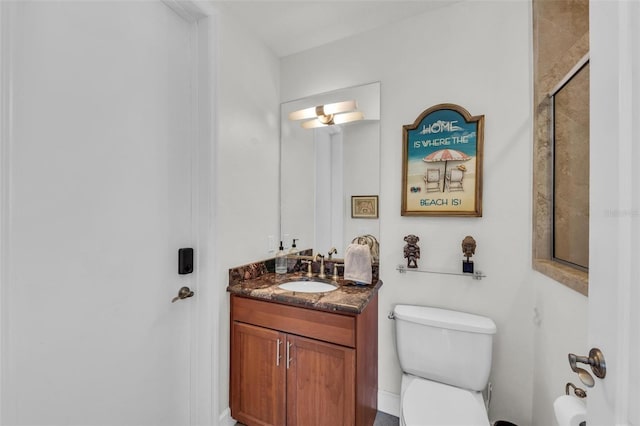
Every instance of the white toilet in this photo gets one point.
(445, 357)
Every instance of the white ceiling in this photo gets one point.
(292, 26)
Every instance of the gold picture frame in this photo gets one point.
(442, 156)
(364, 206)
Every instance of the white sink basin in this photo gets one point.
(308, 286)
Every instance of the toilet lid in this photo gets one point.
(427, 403)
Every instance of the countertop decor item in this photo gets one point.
(357, 264)
(373, 244)
(442, 163)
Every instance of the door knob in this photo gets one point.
(595, 360)
(183, 293)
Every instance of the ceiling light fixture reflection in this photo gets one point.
(322, 121)
(327, 115)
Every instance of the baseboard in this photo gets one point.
(225, 418)
(389, 403)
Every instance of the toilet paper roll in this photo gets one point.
(570, 411)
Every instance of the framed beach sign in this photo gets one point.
(442, 163)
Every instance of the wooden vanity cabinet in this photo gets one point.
(304, 367)
(256, 376)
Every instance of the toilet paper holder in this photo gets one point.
(595, 360)
(579, 392)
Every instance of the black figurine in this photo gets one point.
(412, 251)
(469, 249)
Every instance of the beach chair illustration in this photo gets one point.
(432, 180)
(453, 180)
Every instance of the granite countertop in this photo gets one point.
(349, 297)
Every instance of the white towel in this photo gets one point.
(357, 263)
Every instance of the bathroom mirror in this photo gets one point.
(322, 168)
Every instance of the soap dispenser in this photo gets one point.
(281, 262)
(293, 251)
(294, 248)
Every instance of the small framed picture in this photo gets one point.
(364, 206)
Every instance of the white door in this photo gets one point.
(614, 268)
(99, 202)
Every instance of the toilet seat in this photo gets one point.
(428, 403)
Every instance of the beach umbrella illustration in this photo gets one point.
(445, 155)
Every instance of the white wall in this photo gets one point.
(560, 328)
(361, 177)
(247, 159)
(478, 55)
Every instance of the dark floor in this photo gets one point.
(382, 419)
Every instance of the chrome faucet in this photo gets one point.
(332, 251)
(336, 276)
(315, 259)
(309, 267)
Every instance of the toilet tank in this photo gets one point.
(445, 346)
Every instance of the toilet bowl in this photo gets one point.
(428, 403)
(446, 360)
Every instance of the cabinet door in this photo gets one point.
(320, 383)
(258, 375)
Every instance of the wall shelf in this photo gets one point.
(477, 275)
